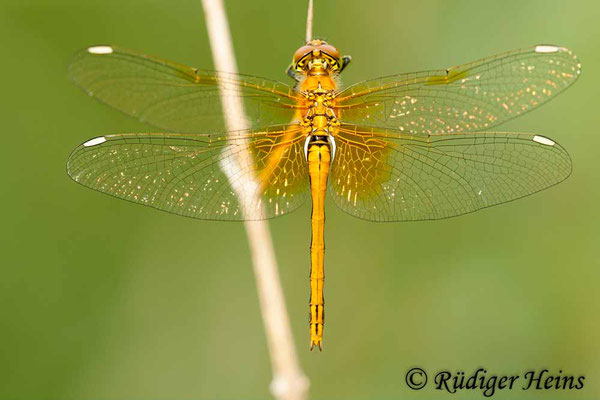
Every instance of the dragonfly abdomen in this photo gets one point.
(319, 160)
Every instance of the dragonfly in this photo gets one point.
(408, 147)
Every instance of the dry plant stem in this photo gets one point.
(289, 382)
(309, 21)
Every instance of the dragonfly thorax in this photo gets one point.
(320, 116)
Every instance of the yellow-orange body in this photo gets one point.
(317, 70)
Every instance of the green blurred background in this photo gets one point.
(104, 299)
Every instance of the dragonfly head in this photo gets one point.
(319, 56)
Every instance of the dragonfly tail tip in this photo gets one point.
(317, 343)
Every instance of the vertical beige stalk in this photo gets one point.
(309, 21)
(289, 382)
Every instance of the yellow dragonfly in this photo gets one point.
(405, 147)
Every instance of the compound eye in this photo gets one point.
(332, 51)
(301, 52)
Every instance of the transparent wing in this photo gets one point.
(469, 97)
(175, 97)
(242, 176)
(385, 175)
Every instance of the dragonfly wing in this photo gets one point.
(245, 175)
(385, 175)
(470, 97)
(175, 97)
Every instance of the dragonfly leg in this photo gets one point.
(345, 61)
(292, 73)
